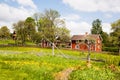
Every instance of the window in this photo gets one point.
(77, 41)
(80, 40)
(77, 47)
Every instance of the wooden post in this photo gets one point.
(88, 56)
(53, 49)
(88, 43)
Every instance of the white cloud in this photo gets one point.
(8, 24)
(10, 15)
(94, 5)
(78, 28)
(27, 3)
(75, 26)
(106, 27)
(73, 17)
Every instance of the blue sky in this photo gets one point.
(78, 14)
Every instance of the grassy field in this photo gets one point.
(25, 63)
(11, 41)
(5, 42)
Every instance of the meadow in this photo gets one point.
(28, 63)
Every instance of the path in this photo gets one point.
(63, 75)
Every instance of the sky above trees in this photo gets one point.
(78, 14)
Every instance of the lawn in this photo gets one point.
(5, 42)
(27, 63)
(11, 41)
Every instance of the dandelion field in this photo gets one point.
(27, 63)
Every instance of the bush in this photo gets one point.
(110, 49)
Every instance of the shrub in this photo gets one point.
(110, 49)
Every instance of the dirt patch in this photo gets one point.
(64, 75)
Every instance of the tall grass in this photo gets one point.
(27, 63)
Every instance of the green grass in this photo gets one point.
(5, 42)
(10, 41)
(92, 74)
(27, 63)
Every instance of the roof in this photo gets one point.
(83, 37)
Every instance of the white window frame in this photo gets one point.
(77, 46)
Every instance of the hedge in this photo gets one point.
(110, 49)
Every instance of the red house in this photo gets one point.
(78, 42)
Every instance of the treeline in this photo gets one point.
(46, 26)
(111, 42)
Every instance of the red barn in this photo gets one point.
(78, 42)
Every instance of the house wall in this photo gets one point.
(98, 45)
(44, 44)
(92, 47)
(83, 47)
(73, 45)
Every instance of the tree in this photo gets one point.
(49, 26)
(36, 17)
(4, 32)
(116, 33)
(63, 34)
(105, 37)
(96, 27)
(88, 43)
(30, 27)
(46, 29)
(21, 31)
(37, 37)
